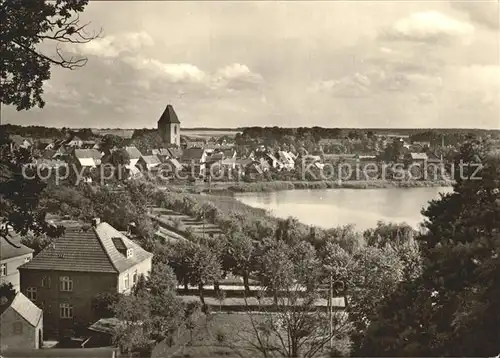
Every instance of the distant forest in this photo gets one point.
(275, 132)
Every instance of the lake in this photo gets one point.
(329, 208)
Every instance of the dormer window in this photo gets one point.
(130, 253)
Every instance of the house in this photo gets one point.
(422, 144)
(287, 160)
(18, 141)
(274, 162)
(21, 324)
(195, 159)
(175, 153)
(174, 165)
(434, 159)
(162, 153)
(74, 142)
(416, 158)
(13, 254)
(88, 144)
(87, 158)
(194, 144)
(43, 143)
(229, 163)
(61, 153)
(134, 155)
(48, 153)
(148, 162)
(65, 276)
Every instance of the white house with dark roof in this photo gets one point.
(88, 158)
(12, 255)
(148, 162)
(65, 277)
(134, 155)
(21, 324)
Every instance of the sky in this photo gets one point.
(367, 64)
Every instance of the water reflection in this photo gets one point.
(332, 207)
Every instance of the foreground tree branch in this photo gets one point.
(25, 26)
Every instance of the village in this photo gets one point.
(58, 285)
(176, 157)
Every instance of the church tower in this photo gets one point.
(169, 127)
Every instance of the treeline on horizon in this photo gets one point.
(261, 132)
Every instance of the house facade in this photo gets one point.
(65, 277)
(13, 254)
(21, 324)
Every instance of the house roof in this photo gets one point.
(94, 250)
(26, 309)
(192, 154)
(151, 159)
(169, 115)
(88, 153)
(105, 325)
(21, 141)
(417, 156)
(216, 157)
(10, 245)
(133, 152)
(175, 163)
(175, 152)
(161, 151)
(48, 153)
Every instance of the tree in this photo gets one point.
(25, 26)
(110, 141)
(166, 308)
(292, 323)
(102, 304)
(7, 293)
(241, 252)
(134, 313)
(450, 309)
(204, 267)
(20, 192)
(119, 159)
(375, 276)
(151, 313)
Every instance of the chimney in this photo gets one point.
(95, 222)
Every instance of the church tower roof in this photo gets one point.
(169, 116)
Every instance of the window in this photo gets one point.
(130, 253)
(66, 283)
(126, 281)
(66, 310)
(31, 293)
(17, 328)
(4, 270)
(46, 281)
(175, 129)
(134, 278)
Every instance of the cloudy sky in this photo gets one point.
(326, 63)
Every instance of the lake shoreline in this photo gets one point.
(272, 186)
